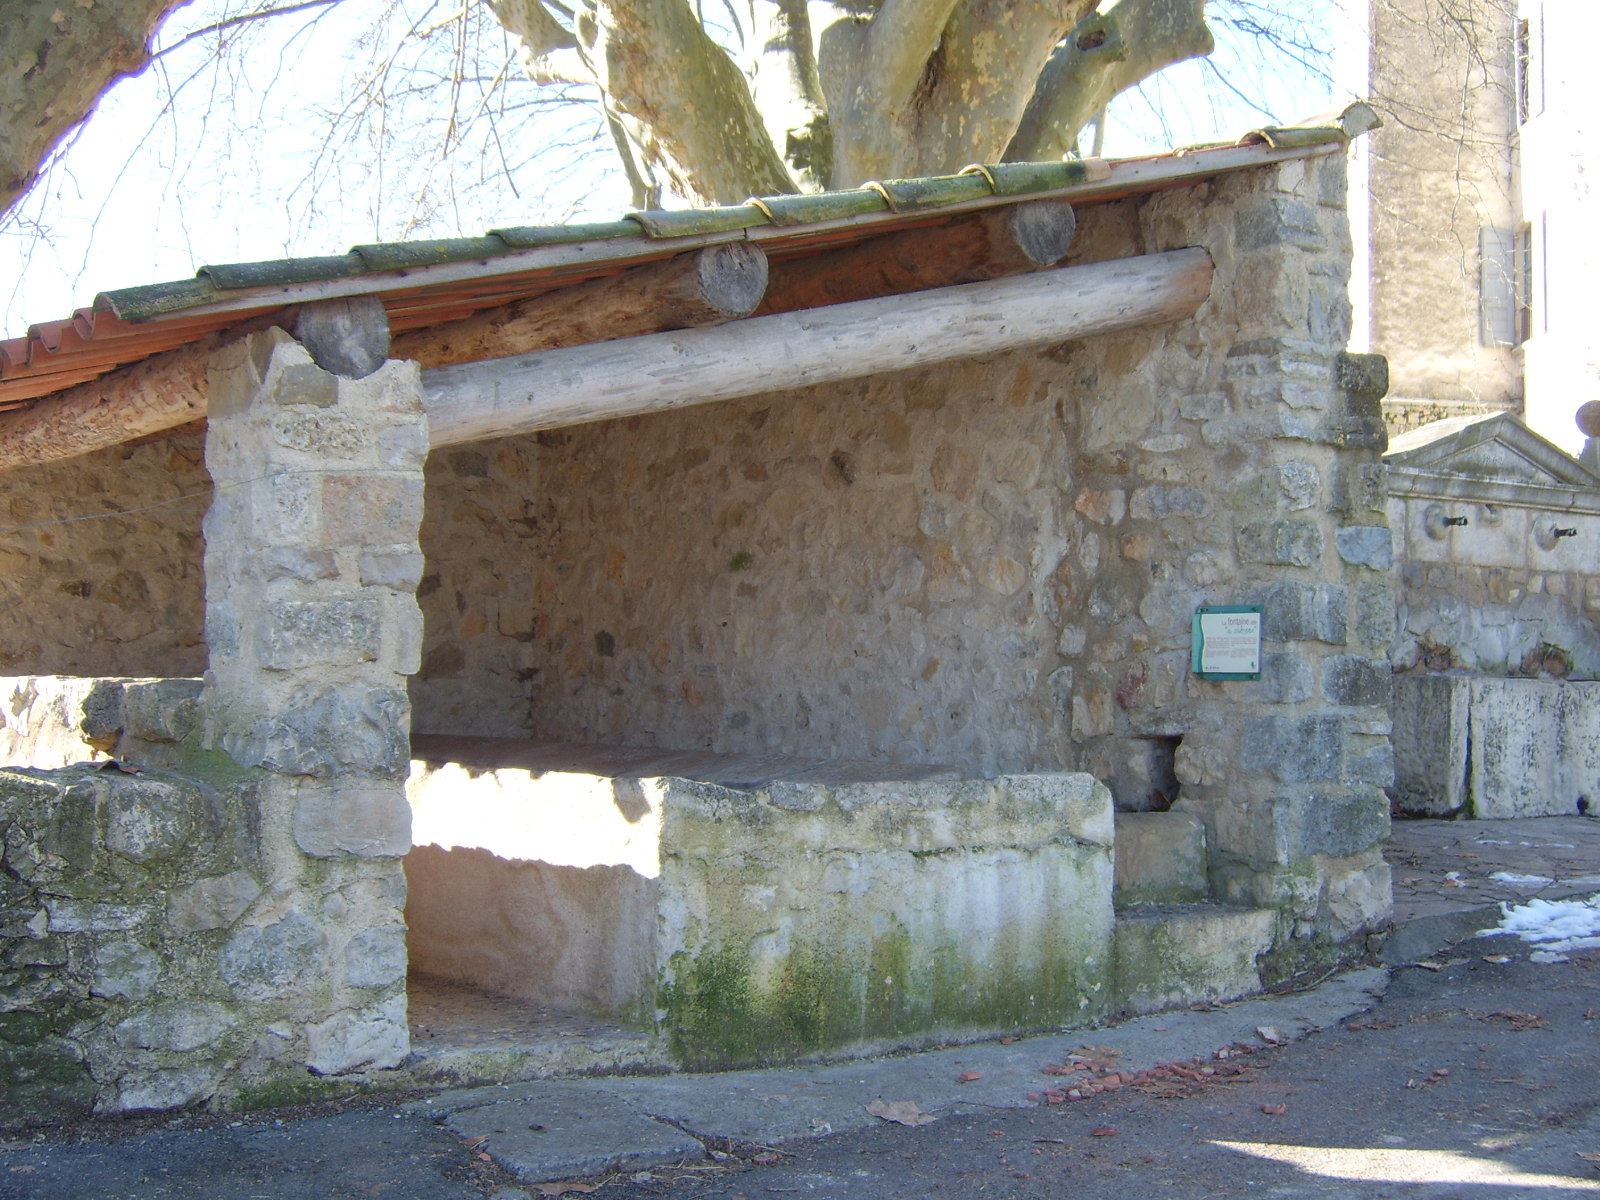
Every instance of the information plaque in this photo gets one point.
(1227, 642)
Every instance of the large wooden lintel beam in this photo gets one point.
(134, 402)
(521, 394)
(988, 245)
(703, 287)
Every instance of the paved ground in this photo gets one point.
(1472, 1079)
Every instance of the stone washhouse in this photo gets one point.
(710, 638)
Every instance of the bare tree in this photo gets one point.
(56, 60)
(833, 94)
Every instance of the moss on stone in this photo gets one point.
(718, 1015)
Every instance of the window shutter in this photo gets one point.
(1497, 308)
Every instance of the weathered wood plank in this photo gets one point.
(662, 371)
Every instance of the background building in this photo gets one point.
(1477, 201)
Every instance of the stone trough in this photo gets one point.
(753, 909)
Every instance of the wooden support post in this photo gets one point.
(705, 287)
(660, 371)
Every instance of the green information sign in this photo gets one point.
(1226, 642)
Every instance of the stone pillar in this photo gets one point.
(312, 564)
(1288, 772)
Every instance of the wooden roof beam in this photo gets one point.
(603, 380)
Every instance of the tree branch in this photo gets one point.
(690, 107)
(989, 62)
(549, 49)
(872, 71)
(1105, 53)
(55, 63)
(788, 91)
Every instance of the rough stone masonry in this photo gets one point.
(233, 924)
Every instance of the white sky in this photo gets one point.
(214, 159)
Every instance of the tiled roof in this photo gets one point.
(427, 282)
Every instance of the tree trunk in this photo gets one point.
(55, 62)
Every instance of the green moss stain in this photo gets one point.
(742, 561)
(718, 1015)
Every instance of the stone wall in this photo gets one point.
(123, 965)
(1499, 595)
(993, 564)
(480, 536)
(234, 926)
(1440, 170)
(1488, 748)
(100, 563)
(50, 721)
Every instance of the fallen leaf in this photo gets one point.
(1517, 1019)
(1274, 1110)
(486, 1157)
(1429, 966)
(1104, 1131)
(1270, 1035)
(969, 1076)
(901, 1112)
(561, 1189)
(1589, 1155)
(768, 1158)
(1497, 959)
(1006, 1041)
(472, 1143)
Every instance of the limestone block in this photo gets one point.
(376, 957)
(160, 710)
(1360, 895)
(175, 1025)
(1279, 220)
(148, 820)
(1348, 679)
(263, 961)
(367, 821)
(1166, 500)
(367, 509)
(1366, 546)
(1295, 749)
(1340, 824)
(326, 732)
(892, 910)
(1160, 858)
(212, 903)
(326, 434)
(299, 563)
(146, 1089)
(1170, 955)
(1285, 679)
(125, 971)
(1280, 543)
(1532, 746)
(375, 1038)
(88, 916)
(400, 570)
(295, 634)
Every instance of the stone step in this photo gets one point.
(1160, 858)
(1173, 955)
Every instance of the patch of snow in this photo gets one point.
(1555, 926)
